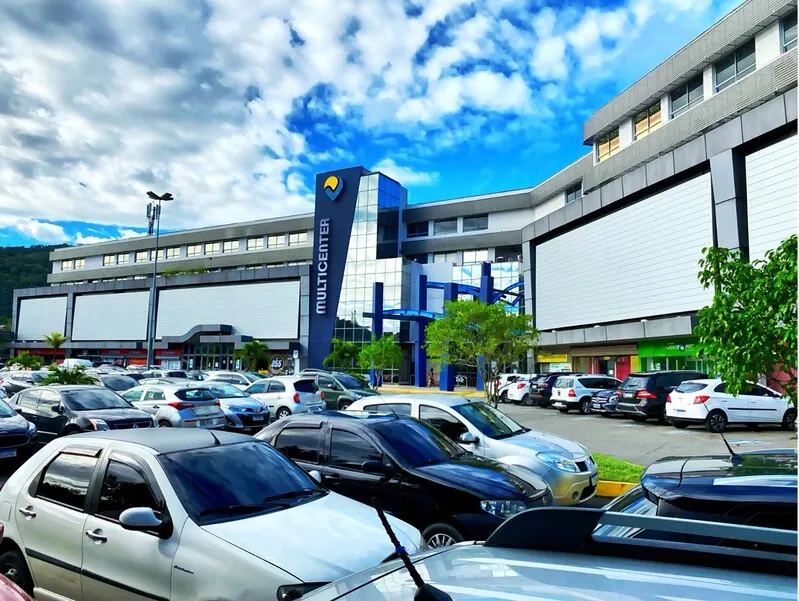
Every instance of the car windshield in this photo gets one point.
(349, 382)
(416, 442)
(634, 502)
(224, 391)
(230, 482)
(6, 410)
(38, 377)
(252, 377)
(635, 382)
(119, 383)
(196, 376)
(90, 399)
(489, 421)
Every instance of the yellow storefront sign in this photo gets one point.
(552, 358)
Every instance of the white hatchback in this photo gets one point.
(287, 395)
(707, 402)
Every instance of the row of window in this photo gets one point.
(473, 223)
(70, 264)
(142, 277)
(726, 71)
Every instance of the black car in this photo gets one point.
(757, 488)
(14, 381)
(418, 474)
(63, 410)
(541, 388)
(117, 382)
(18, 436)
(604, 402)
(643, 395)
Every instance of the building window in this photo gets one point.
(275, 241)
(161, 254)
(123, 258)
(647, 121)
(445, 258)
(445, 226)
(475, 223)
(296, 238)
(141, 256)
(418, 258)
(685, 96)
(475, 256)
(230, 246)
(255, 244)
(173, 252)
(573, 193)
(788, 32)
(80, 263)
(212, 248)
(607, 146)
(66, 265)
(194, 250)
(139, 277)
(418, 229)
(735, 65)
(108, 260)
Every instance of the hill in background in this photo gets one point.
(21, 267)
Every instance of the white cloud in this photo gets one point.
(40, 231)
(81, 238)
(549, 59)
(407, 176)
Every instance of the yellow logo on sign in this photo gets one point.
(333, 186)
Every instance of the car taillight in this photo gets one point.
(668, 398)
(181, 405)
(322, 395)
(520, 386)
(499, 383)
(618, 391)
(217, 403)
(644, 394)
(701, 398)
(572, 393)
(296, 397)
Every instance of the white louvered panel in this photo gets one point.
(39, 317)
(638, 262)
(121, 316)
(267, 310)
(771, 196)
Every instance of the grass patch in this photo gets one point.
(618, 470)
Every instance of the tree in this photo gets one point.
(749, 329)
(342, 355)
(65, 375)
(27, 361)
(55, 340)
(485, 337)
(379, 354)
(252, 353)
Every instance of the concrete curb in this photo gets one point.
(611, 489)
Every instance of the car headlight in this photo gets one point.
(289, 592)
(503, 509)
(31, 429)
(559, 462)
(98, 424)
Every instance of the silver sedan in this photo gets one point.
(178, 405)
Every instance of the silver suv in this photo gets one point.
(178, 406)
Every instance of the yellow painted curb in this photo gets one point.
(609, 488)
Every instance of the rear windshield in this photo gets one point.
(305, 386)
(176, 374)
(635, 382)
(119, 383)
(541, 379)
(563, 383)
(690, 387)
(194, 394)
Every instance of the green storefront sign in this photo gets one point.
(688, 347)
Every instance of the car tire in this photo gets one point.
(679, 425)
(585, 406)
(752, 427)
(503, 396)
(563, 409)
(164, 423)
(13, 567)
(441, 535)
(663, 419)
(526, 401)
(71, 431)
(789, 420)
(281, 413)
(342, 406)
(640, 418)
(716, 421)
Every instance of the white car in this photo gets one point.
(239, 379)
(707, 402)
(515, 391)
(574, 392)
(506, 381)
(180, 514)
(566, 466)
(287, 395)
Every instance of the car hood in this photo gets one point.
(542, 442)
(114, 414)
(16, 424)
(482, 477)
(314, 541)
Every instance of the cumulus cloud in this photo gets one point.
(34, 229)
(81, 238)
(407, 176)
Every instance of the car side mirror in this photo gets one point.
(142, 519)
(57, 408)
(316, 475)
(377, 467)
(468, 438)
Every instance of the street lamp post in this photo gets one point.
(154, 217)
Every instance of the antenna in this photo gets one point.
(216, 440)
(735, 457)
(424, 592)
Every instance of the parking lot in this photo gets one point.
(643, 443)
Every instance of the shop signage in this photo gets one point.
(660, 348)
(277, 364)
(552, 357)
(322, 235)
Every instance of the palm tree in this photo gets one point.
(55, 340)
(64, 375)
(252, 353)
(27, 361)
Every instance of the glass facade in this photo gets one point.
(504, 275)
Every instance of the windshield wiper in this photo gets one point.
(249, 508)
(302, 492)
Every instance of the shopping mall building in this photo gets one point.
(701, 151)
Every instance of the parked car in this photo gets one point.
(73, 363)
(566, 466)
(643, 395)
(417, 474)
(180, 515)
(18, 436)
(537, 391)
(574, 392)
(757, 488)
(195, 376)
(135, 375)
(14, 381)
(708, 402)
(162, 381)
(506, 381)
(115, 382)
(286, 395)
(11, 592)
(243, 413)
(178, 406)
(340, 389)
(239, 379)
(64, 410)
(172, 374)
(555, 554)
(604, 402)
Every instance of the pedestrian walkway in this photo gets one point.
(402, 389)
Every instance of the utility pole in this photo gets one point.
(154, 219)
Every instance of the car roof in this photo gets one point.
(355, 417)
(68, 387)
(167, 440)
(447, 400)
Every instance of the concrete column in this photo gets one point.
(730, 220)
(487, 297)
(420, 355)
(447, 376)
(377, 321)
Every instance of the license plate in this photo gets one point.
(594, 479)
(257, 418)
(207, 423)
(204, 410)
(6, 453)
(680, 410)
(628, 395)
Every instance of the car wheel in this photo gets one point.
(526, 401)
(639, 418)
(585, 407)
(663, 419)
(164, 423)
(282, 412)
(789, 420)
(679, 425)
(344, 404)
(563, 409)
(716, 421)
(503, 397)
(441, 535)
(13, 567)
(752, 427)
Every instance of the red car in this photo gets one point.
(11, 592)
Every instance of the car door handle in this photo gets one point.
(97, 536)
(333, 479)
(28, 512)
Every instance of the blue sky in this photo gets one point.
(234, 108)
